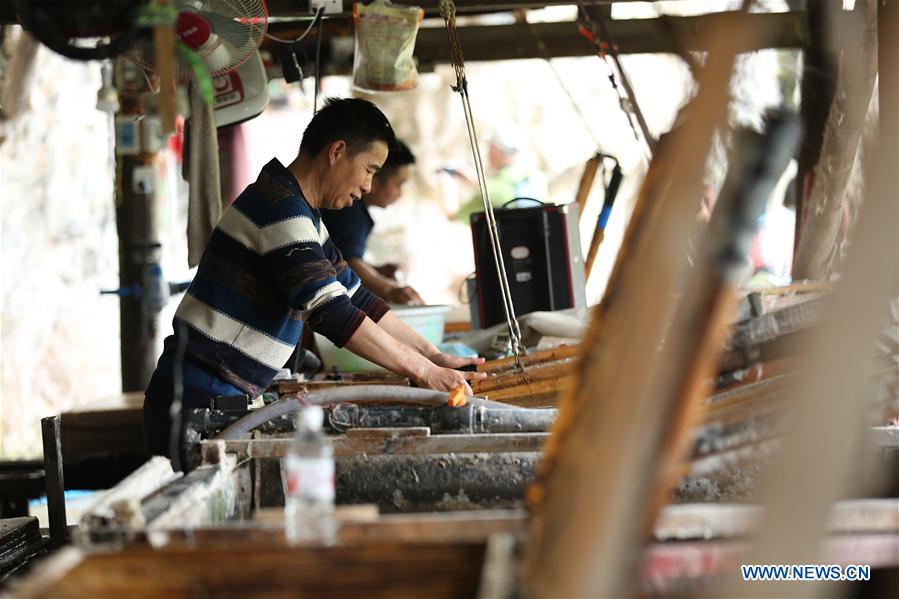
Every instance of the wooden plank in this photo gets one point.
(593, 482)
(349, 380)
(532, 358)
(434, 444)
(415, 432)
(716, 521)
(254, 563)
(433, 527)
(111, 425)
(20, 541)
(540, 394)
(532, 374)
(386, 570)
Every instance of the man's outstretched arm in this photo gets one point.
(377, 345)
(380, 285)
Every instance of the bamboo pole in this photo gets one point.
(586, 182)
(590, 495)
(534, 357)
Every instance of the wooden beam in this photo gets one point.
(534, 374)
(300, 8)
(345, 446)
(634, 36)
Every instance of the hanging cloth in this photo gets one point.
(204, 204)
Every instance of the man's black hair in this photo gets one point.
(357, 122)
(399, 155)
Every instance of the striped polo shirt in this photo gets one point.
(269, 266)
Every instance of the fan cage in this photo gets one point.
(241, 25)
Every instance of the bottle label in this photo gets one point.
(310, 479)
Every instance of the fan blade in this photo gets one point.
(236, 34)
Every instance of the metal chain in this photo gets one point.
(448, 12)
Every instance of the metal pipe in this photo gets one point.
(348, 394)
(443, 419)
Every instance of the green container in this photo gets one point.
(428, 321)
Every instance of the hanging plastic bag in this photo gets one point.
(385, 41)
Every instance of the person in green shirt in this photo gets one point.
(507, 179)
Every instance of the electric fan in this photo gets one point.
(225, 33)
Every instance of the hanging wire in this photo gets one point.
(626, 99)
(546, 56)
(318, 66)
(315, 19)
(448, 12)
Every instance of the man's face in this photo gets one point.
(386, 189)
(350, 176)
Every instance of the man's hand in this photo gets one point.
(447, 379)
(448, 361)
(403, 295)
(388, 270)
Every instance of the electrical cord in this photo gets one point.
(513, 200)
(177, 396)
(315, 19)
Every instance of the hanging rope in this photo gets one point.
(448, 12)
(626, 99)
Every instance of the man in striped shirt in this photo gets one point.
(269, 267)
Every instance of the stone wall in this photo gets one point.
(58, 247)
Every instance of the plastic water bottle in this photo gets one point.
(309, 501)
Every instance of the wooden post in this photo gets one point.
(819, 83)
(164, 45)
(53, 475)
(138, 251)
(818, 249)
(888, 88)
(586, 182)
